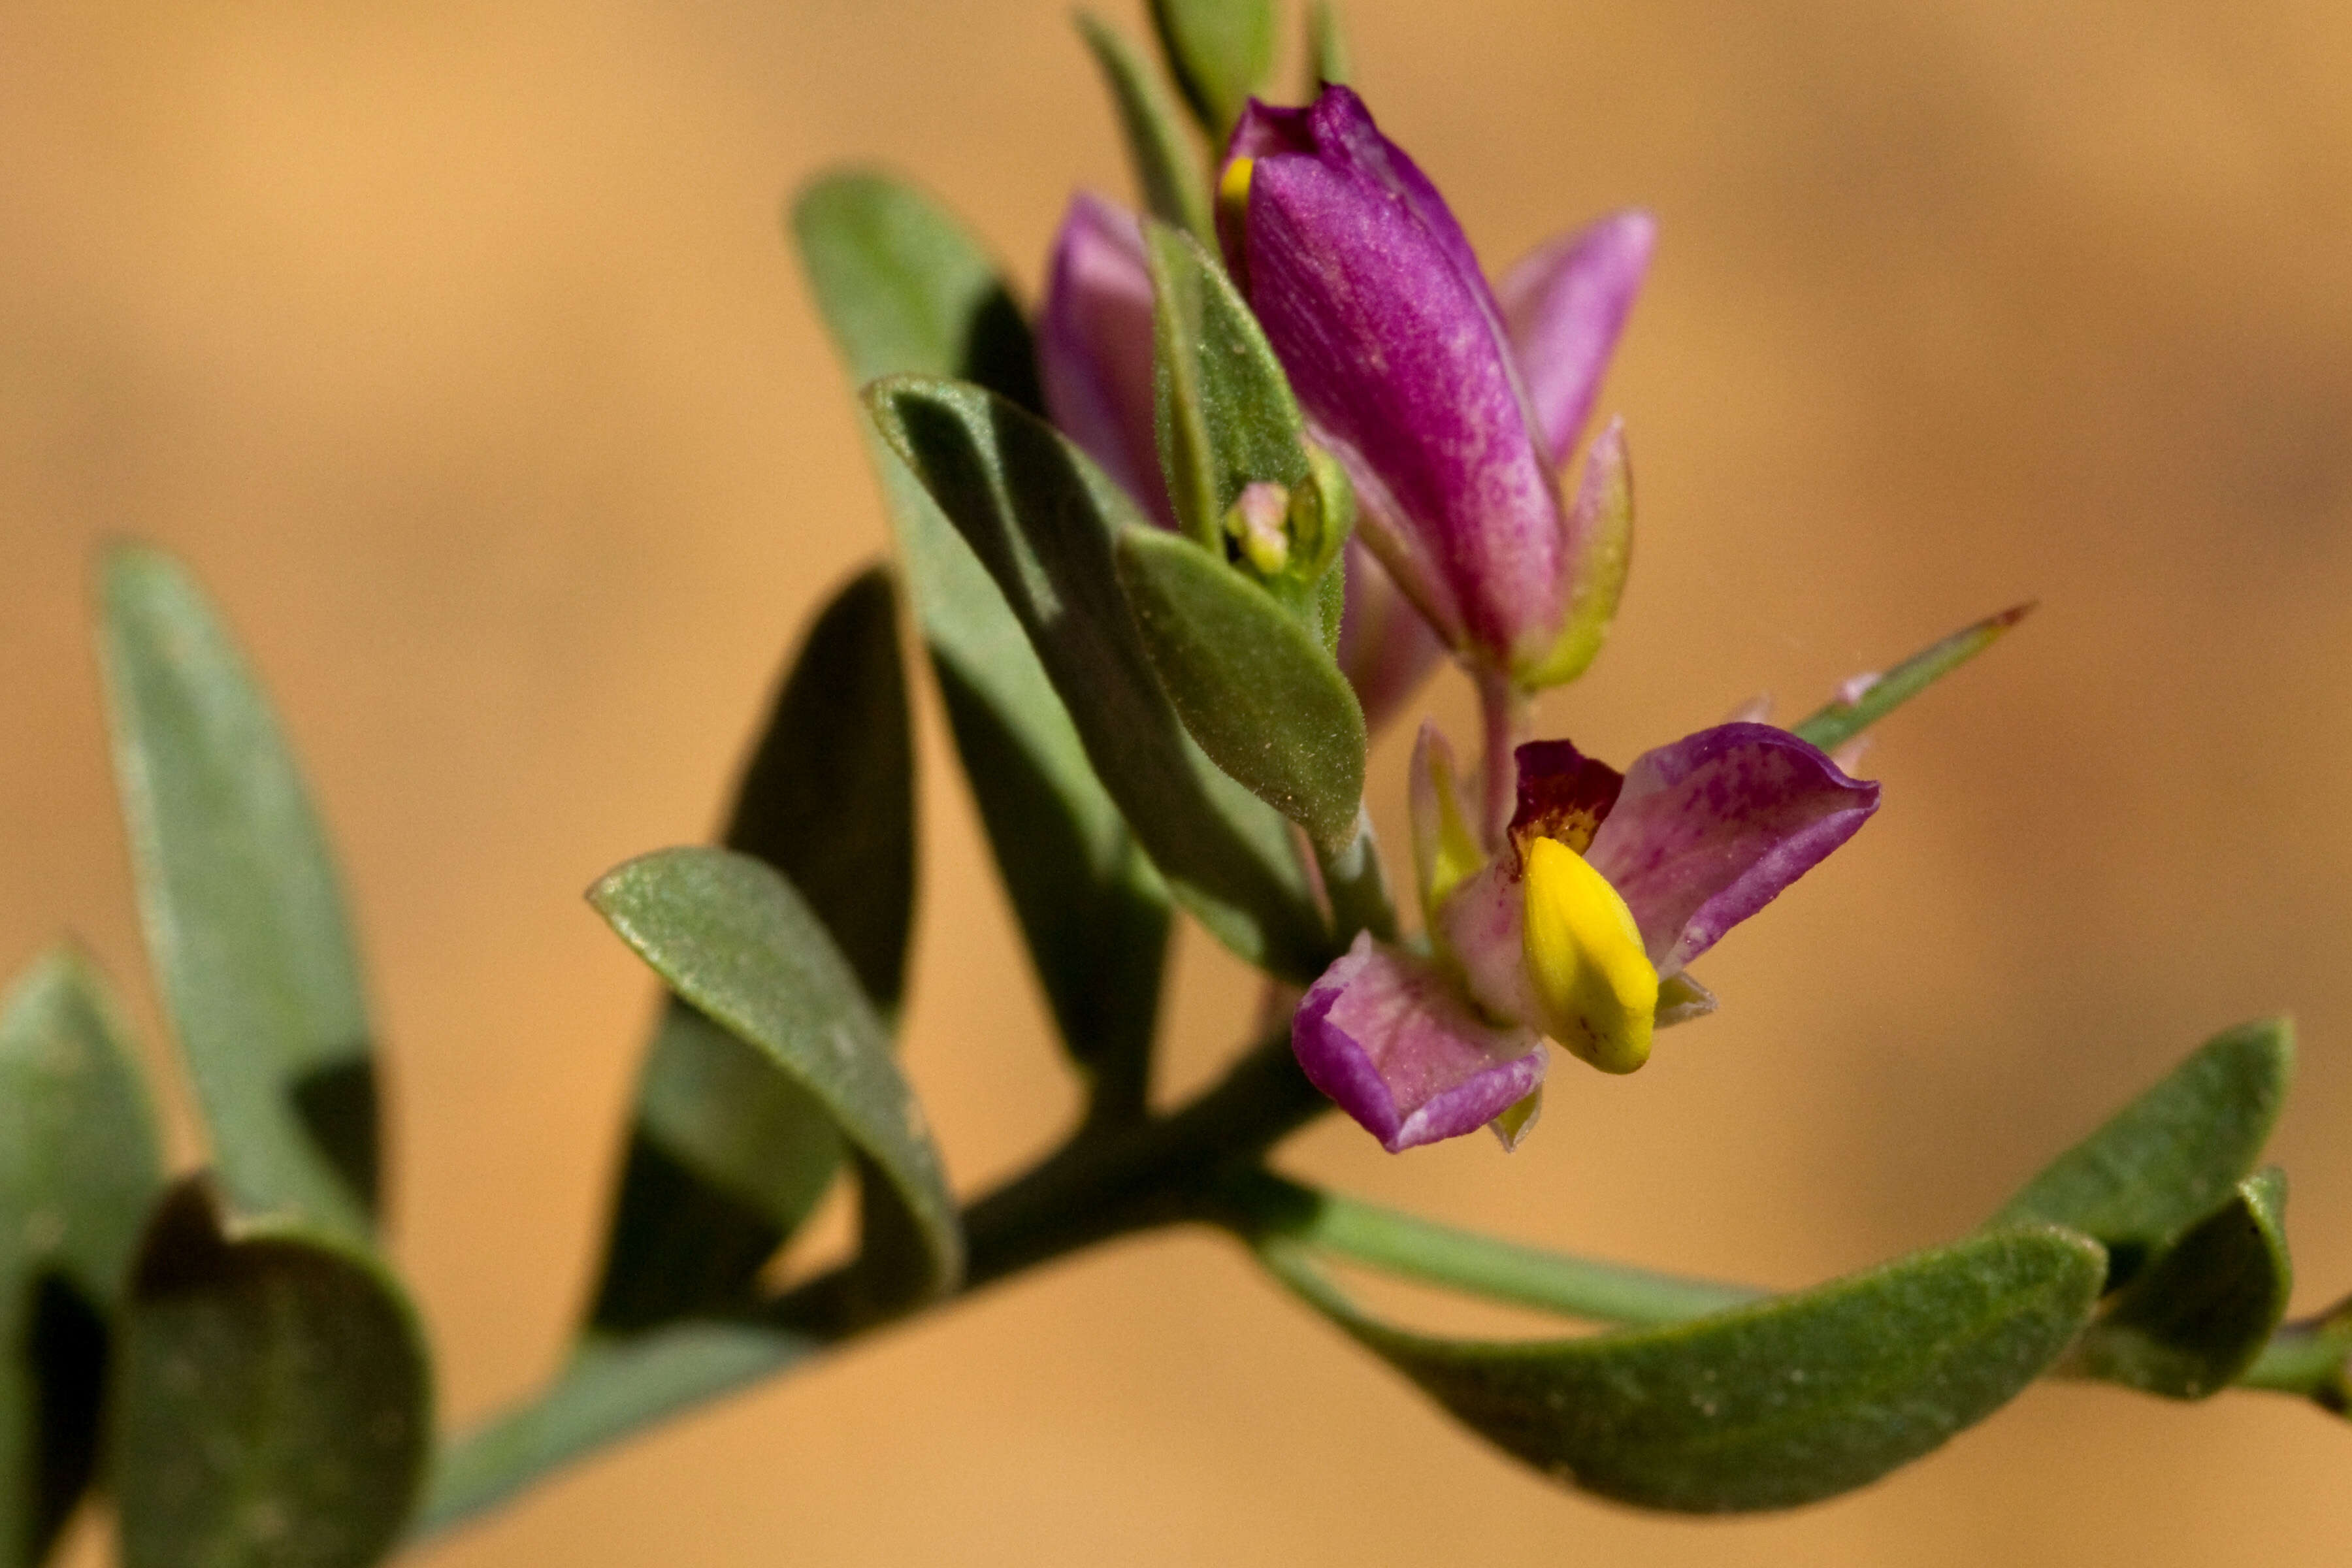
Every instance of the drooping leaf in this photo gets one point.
(1253, 688)
(1787, 1401)
(906, 291)
(732, 938)
(1219, 52)
(1841, 720)
(78, 1170)
(2199, 1314)
(1167, 170)
(728, 1153)
(244, 921)
(1226, 416)
(2171, 1156)
(271, 1405)
(1043, 520)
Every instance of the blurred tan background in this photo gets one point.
(458, 347)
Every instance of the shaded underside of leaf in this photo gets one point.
(906, 291)
(244, 919)
(731, 937)
(1787, 1401)
(1042, 521)
(2170, 1156)
(271, 1405)
(2202, 1313)
(79, 1168)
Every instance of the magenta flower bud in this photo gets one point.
(1094, 347)
(1451, 414)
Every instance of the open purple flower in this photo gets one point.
(1610, 884)
(1451, 409)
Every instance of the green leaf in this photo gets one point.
(2171, 1156)
(1167, 167)
(732, 938)
(1787, 1401)
(2201, 1313)
(245, 922)
(1840, 722)
(727, 1154)
(1043, 519)
(1328, 58)
(905, 291)
(1259, 694)
(1219, 52)
(1225, 414)
(78, 1170)
(271, 1407)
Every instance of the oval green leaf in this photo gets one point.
(1258, 693)
(1787, 1401)
(245, 921)
(1168, 169)
(906, 291)
(2201, 1313)
(1219, 52)
(728, 1153)
(732, 937)
(1043, 519)
(271, 1405)
(80, 1169)
(2171, 1156)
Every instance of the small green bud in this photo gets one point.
(1255, 523)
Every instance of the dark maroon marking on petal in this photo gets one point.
(1563, 795)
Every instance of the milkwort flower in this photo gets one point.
(1545, 345)
(1451, 408)
(1578, 927)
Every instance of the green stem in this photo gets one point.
(2307, 1360)
(1088, 1191)
(1357, 884)
(1262, 1204)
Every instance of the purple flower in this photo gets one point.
(1609, 885)
(1451, 409)
(1094, 347)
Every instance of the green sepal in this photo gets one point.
(1219, 52)
(1167, 167)
(906, 291)
(1834, 725)
(2202, 1313)
(1225, 411)
(1043, 520)
(245, 921)
(1254, 689)
(80, 1169)
(734, 938)
(1786, 1401)
(1603, 525)
(2171, 1156)
(271, 1400)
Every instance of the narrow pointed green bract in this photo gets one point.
(1045, 520)
(2172, 1155)
(732, 938)
(244, 918)
(1260, 695)
(2198, 1316)
(905, 291)
(1840, 722)
(1219, 52)
(1784, 1402)
(1329, 61)
(1168, 170)
(272, 1404)
(80, 1169)
(1226, 417)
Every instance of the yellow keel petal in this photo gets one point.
(1596, 986)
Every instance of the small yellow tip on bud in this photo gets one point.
(1233, 185)
(1595, 985)
(1255, 523)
